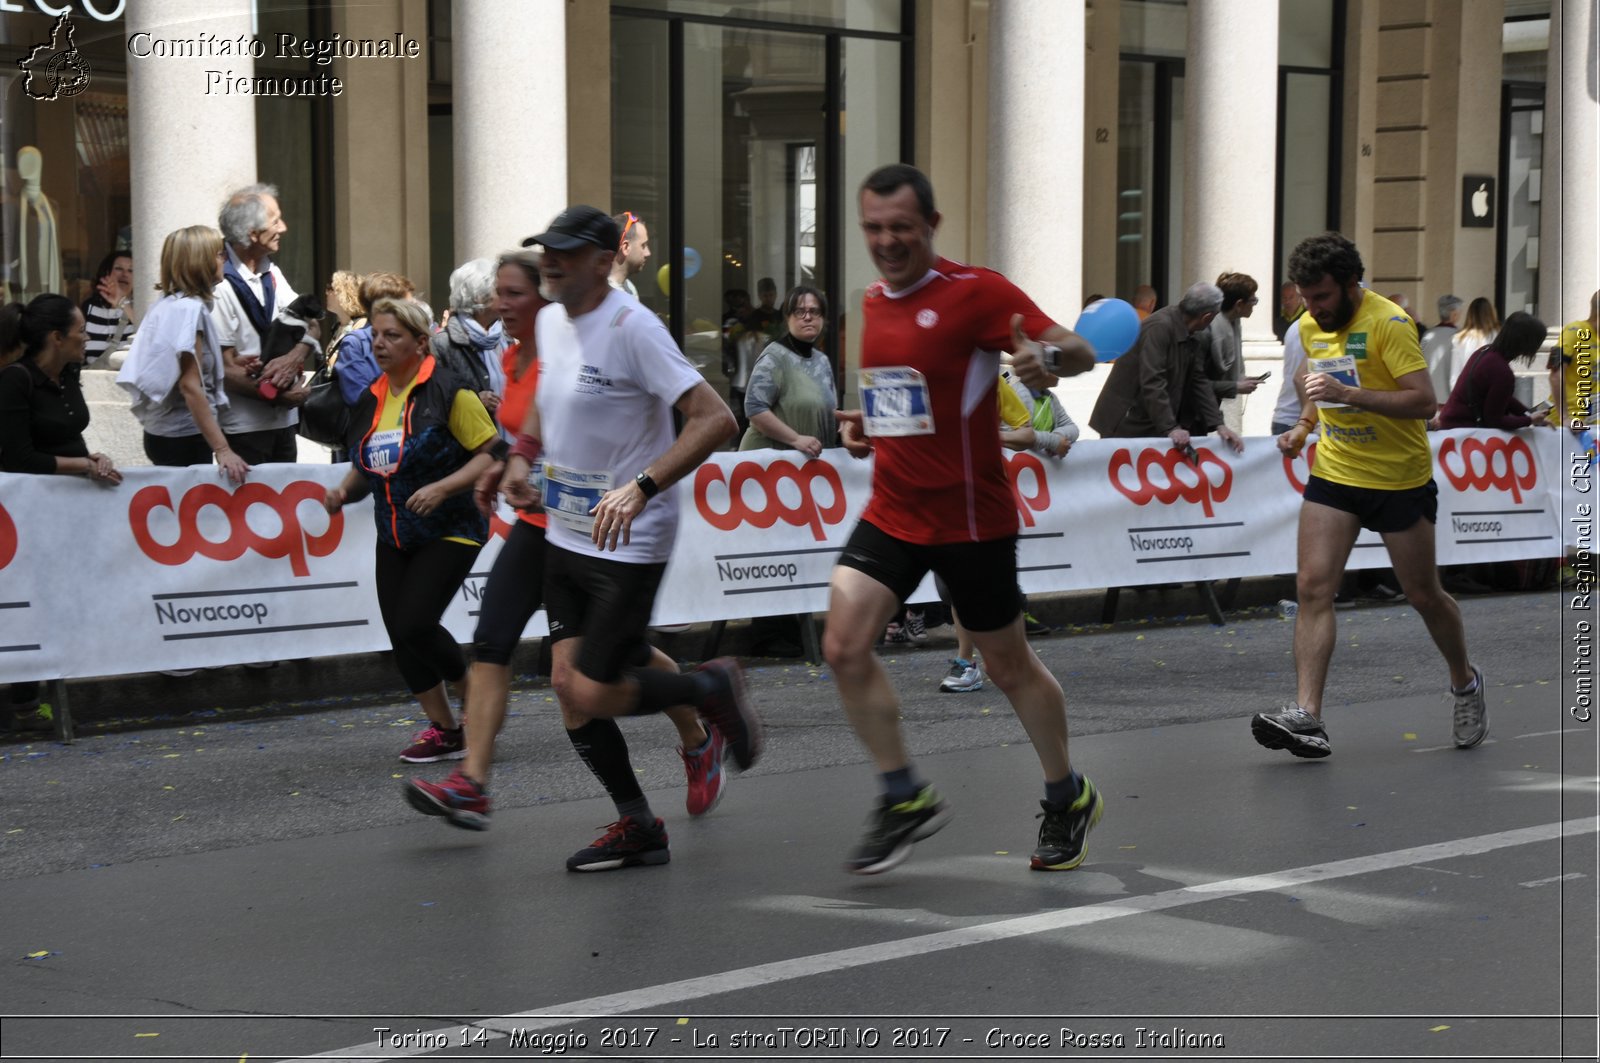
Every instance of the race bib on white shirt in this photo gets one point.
(570, 496)
(894, 402)
(383, 451)
(1342, 369)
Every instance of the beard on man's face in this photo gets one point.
(1341, 315)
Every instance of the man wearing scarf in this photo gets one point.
(261, 414)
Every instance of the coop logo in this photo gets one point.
(55, 69)
(1307, 458)
(764, 496)
(1489, 464)
(8, 538)
(288, 540)
(1018, 465)
(1165, 476)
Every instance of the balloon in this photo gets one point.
(1109, 326)
(664, 279)
(691, 262)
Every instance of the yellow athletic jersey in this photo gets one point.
(1578, 366)
(469, 421)
(1013, 414)
(1360, 448)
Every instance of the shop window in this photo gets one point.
(753, 177)
(65, 199)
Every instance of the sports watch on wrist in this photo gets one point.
(646, 486)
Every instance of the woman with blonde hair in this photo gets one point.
(343, 301)
(1479, 329)
(174, 369)
(418, 440)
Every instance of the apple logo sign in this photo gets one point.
(1477, 201)
(1480, 202)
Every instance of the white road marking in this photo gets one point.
(1562, 731)
(1452, 745)
(1556, 878)
(662, 996)
(1492, 741)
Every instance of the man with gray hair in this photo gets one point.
(259, 420)
(1160, 388)
(1436, 344)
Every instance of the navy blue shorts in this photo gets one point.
(1379, 511)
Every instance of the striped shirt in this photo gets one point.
(105, 325)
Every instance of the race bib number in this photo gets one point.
(570, 495)
(1342, 369)
(894, 401)
(383, 451)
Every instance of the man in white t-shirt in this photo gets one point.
(610, 379)
(261, 414)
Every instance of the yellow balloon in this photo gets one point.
(664, 279)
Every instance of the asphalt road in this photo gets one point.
(1401, 898)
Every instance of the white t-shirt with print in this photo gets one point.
(608, 383)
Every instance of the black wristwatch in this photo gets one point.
(646, 486)
(1050, 355)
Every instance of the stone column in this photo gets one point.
(1230, 121)
(1035, 195)
(188, 147)
(510, 111)
(1568, 271)
(1100, 201)
(381, 151)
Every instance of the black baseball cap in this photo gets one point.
(576, 226)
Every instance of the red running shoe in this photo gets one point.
(458, 799)
(706, 777)
(730, 710)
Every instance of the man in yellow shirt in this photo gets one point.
(1367, 391)
(1572, 366)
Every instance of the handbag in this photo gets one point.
(324, 417)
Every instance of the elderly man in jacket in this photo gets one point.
(1160, 388)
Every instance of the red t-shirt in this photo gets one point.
(948, 486)
(514, 406)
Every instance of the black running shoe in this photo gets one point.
(1291, 728)
(626, 843)
(730, 710)
(1064, 834)
(893, 828)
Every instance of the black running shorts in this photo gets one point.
(511, 594)
(604, 602)
(981, 577)
(1379, 511)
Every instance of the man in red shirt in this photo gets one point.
(932, 334)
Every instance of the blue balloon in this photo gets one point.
(691, 262)
(1109, 326)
